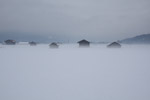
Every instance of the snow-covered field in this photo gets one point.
(72, 73)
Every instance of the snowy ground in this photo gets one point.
(72, 73)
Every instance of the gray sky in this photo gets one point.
(96, 20)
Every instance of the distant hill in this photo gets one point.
(140, 39)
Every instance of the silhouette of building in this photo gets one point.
(114, 45)
(53, 45)
(33, 43)
(84, 43)
(10, 42)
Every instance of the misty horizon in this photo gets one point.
(47, 39)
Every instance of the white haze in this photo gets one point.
(72, 73)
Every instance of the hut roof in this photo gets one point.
(32, 43)
(114, 44)
(9, 41)
(53, 43)
(83, 41)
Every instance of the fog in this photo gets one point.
(72, 73)
(69, 72)
(99, 20)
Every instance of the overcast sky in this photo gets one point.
(96, 20)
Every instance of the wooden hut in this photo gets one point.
(53, 45)
(10, 42)
(33, 43)
(114, 45)
(84, 43)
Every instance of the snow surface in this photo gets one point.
(72, 73)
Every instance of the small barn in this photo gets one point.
(84, 43)
(53, 45)
(114, 45)
(10, 42)
(33, 43)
